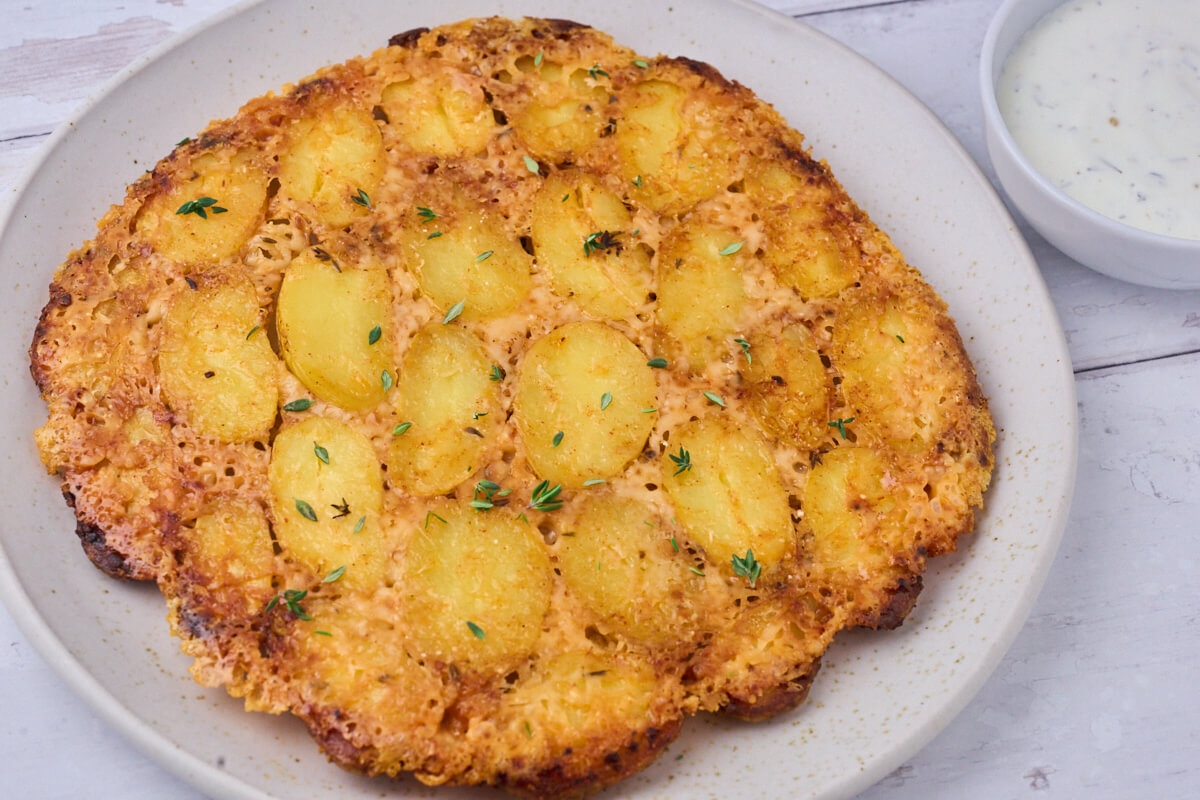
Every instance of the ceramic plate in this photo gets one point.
(880, 696)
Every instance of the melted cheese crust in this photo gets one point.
(863, 432)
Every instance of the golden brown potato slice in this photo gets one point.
(209, 216)
(463, 254)
(231, 557)
(327, 495)
(789, 390)
(624, 569)
(449, 409)
(477, 585)
(325, 319)
(443, 112)
(567, 112)
(583, 236)
(672, 159)
(591, 384)
(726, 490)
(215, 368)
(701, 297)
(333, 156)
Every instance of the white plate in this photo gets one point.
(879, 697)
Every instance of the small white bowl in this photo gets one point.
(1105, 245)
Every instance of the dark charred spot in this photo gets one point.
(62, 299)
(613, 759)
(779, 380)
(561, 28)
(407, 38)
(706, 71)
(379, 114)
(195, 622)
(107, 560)
(190, 282)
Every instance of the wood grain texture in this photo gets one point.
(1095, 699)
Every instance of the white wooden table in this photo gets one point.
(1097, 698)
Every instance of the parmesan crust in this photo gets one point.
(413, 586)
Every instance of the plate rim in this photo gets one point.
(194, 770)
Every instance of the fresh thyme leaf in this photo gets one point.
(557, 440)
(523, 518)
(401, 428)
(601, 240)
(674, 544)
(253, 331)
(566, 197)
(537, 60)
(901, 338)
(730, 249)
(385, 378)
(426, 214)
(434, 235)
(544, 497)
(698, 572)
(637, 62)
(362, 199)
(594, 481)
(841, 424)
(435, 516)
(714, 398)
(484, 256)
(481, 505)
(657, 363)
(333, 576)
(183, 141)
(605, 400)
(747, 567)
(375, 335)
(303, 404)
(274, 601)
(596, 72)
(454, 312)
(528, 730)
(532, 166)
(496, 373)
(477, 631)
(649, 410)
(323, 633)
(358, 526)
(343, 509)
(292, 598)
(476, 415)
(321, 452)
(683, 461)
(637, 181)
(305, 510)
(745, 349)
(198, 207)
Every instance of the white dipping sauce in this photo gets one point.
(1103, 98)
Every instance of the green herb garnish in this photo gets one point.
(601, 240)
(199, 206)
(496, 374)
(730, 249)
(841, 424)
(532, 166)
(698, 572)
(544, 497)
(401, 428)
(713, 398)
(321, 452)
(362, 199)
(484, 256)
(745, 349)
(253, 331)
(747, 567)
(343, 509)
(375, 335)
(657, 363)
(537, 60)
(454, 312)
(637, 62)
(683, 461)
(594, 481)
(596, 72)
(477, 631)
(434, 235)
(557, 440)
(435, 516)
(358, 526)
(426, 214)
(305, 510)
(605, 400)
(292, 598)
(333, 576)
(303, 404)
(385, 378)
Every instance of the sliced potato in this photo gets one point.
(444, 113)
(577, 696)
(445, 392)
(583, 236)
(591, 384)
(567, 112)
(324, 318)
(672, 159)
(730, 499)
(212, 369)
(230, 548)
(473, 259)
(789, 390)
(623, 569)
(326, 515)
(701, 297)
(477, 585)
(332, 156)
(849, 510)
(184, 226)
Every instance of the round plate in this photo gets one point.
(879, 697)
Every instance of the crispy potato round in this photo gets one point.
(591, 384)
(448, 407)
(327, 496)
(334, 156)
(215, 366)
(476, 586)
(788, 386)
(729, 496)
(325, 317)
